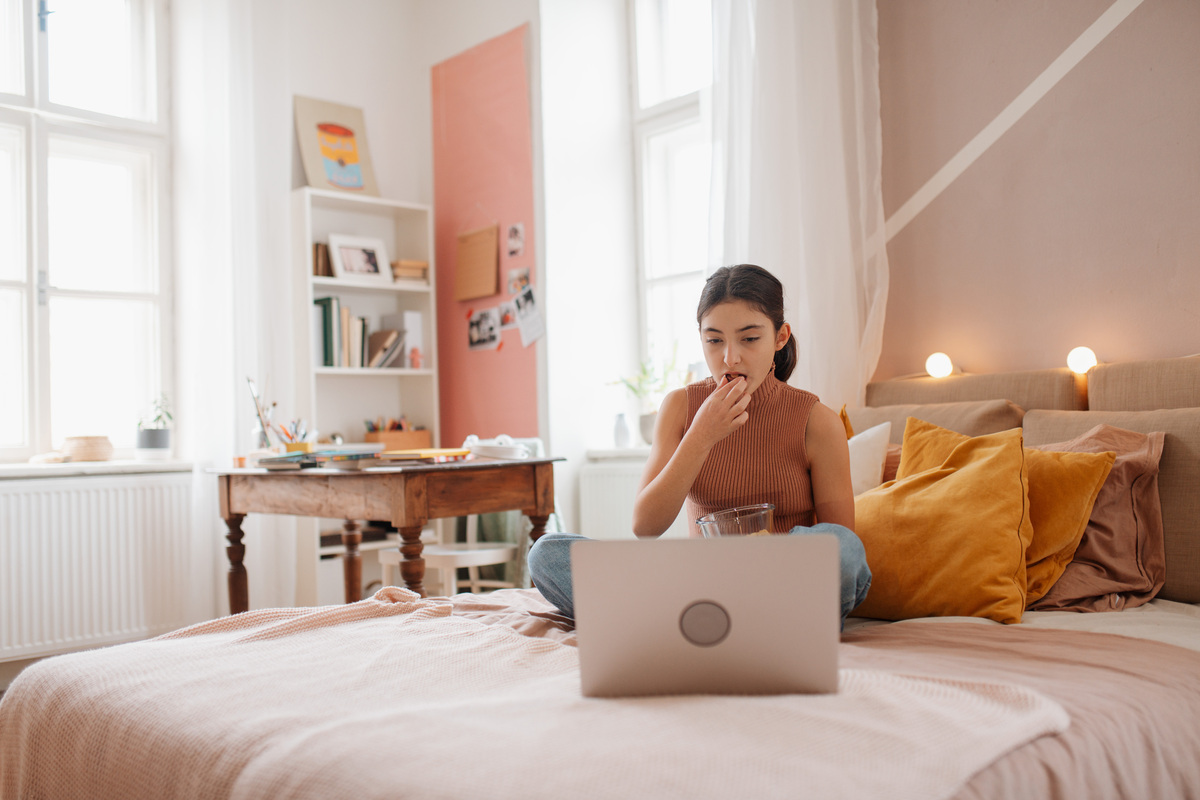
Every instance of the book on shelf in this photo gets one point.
(381, 344)
(410, 270)
(412, 324)
(321, 266)
(331, 330)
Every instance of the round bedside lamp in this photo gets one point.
(1081, 359)
(939, 365)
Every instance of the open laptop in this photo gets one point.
(745, 615)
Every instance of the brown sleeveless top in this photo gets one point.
(764, 461)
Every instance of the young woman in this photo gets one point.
(740, 437)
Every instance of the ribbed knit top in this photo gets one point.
(764, 461)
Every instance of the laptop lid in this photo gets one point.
(746, 615)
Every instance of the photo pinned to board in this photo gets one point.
(529, 317)
(483, 329)
(516, 239)
(518, 279)
(508, 315)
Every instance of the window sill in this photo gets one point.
(75, 469)
(619, 454)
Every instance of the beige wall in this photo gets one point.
(1080, 224)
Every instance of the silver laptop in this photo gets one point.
(747, 615)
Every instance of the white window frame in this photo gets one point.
(41, 119)
(662, 117)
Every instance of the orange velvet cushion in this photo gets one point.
(1063, 487)
(950, 540)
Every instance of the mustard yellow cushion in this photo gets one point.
(1062, 490)
(845, 418)
(950, 540)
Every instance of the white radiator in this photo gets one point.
(607, 489)
(94, 560)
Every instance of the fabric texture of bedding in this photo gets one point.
(401, 697)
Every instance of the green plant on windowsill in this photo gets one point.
(648, 386)
(154, 430)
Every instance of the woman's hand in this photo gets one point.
(722, 412)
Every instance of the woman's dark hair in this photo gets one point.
(761, 290)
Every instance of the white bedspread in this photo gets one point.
(393, 697)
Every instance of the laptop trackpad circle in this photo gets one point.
(704, 623)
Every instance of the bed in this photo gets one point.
(1080, 696)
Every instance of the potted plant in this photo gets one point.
(649, 385)
(154, 431)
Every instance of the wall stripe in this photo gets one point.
(1035, 91)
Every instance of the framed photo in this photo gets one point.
(359, 258)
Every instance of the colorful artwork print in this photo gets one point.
(339, 154)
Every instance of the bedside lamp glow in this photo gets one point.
(939, 365)
(1081, 359)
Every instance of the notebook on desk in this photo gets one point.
(747, 615)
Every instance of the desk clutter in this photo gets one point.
(362, 455)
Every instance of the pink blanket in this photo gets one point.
(401, 697)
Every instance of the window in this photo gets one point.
(85, 289)
(673, 65)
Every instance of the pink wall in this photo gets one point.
(483, 175)
(1078, 225)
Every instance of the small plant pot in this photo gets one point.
(646, 426)
(154, 444)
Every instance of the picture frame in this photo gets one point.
(333, 146)
(359, 258)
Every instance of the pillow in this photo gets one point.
(951, 540)
(845, 418)
(1178, 477)
(867, 452)
(973, 418)
(1062, 489)
(1120, 563)
(891, 461)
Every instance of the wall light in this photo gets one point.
(1081, 359)
(939, 365)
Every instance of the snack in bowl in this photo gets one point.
(754, 520)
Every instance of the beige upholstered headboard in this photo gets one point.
(1053, 406)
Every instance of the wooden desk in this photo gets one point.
(407, 496)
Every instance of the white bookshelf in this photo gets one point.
(338, 399)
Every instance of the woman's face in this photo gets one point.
(740, 341)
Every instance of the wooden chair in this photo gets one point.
(448, 557)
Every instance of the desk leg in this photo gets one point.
(539, 526)
(352, 561)
(239, 590)
(412, 568)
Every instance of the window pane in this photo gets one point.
(101, 235)
(12, 50)
(671, 330)
(101, 54)
(676, 201)
(14, 414)
(104, 357)
(674, 48)
(12, 203)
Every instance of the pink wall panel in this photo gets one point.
(483, 175)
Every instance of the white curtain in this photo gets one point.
(796, 175)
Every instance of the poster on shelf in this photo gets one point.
(333, 146)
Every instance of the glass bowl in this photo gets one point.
(741, 521)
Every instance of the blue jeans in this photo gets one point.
(550, 566)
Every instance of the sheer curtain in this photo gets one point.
(796, 181)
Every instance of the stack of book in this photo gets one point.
(404, 270)
(341, 339)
